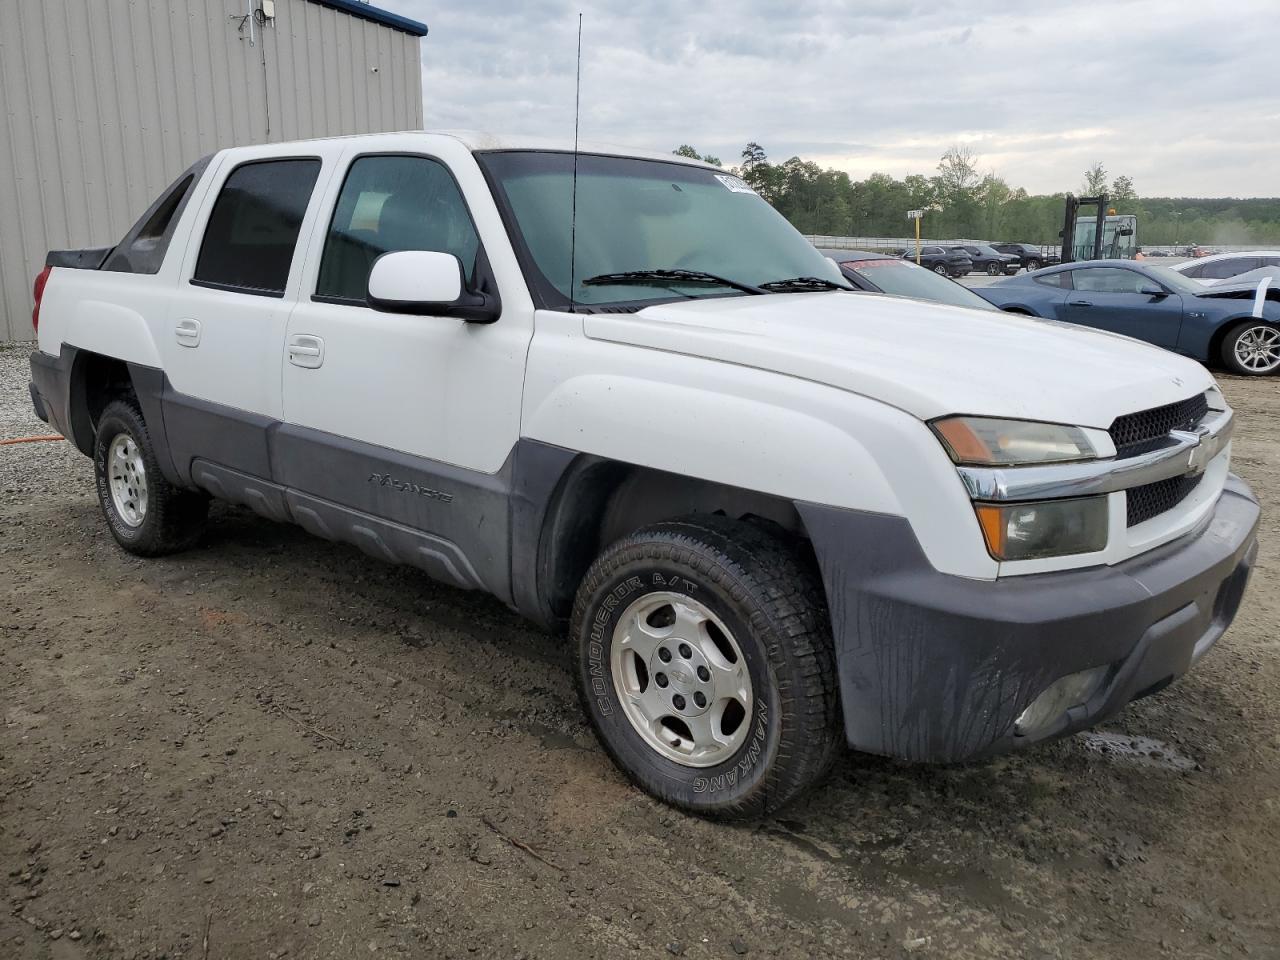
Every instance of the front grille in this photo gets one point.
(1146, 430)
(1152, 499)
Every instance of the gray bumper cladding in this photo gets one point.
(938, 668)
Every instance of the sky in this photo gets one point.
(1181, 96)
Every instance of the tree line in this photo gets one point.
(960, 200)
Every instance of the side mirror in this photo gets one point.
(1153, 290)
(428, 283)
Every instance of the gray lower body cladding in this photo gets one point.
(938, 668)
(931, 667)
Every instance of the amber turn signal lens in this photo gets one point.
(987, 441)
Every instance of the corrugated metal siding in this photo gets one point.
(104, 102)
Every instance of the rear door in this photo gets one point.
(221, 344)
(1108, 298)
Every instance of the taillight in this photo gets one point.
(37, 292)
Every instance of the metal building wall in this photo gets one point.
(104, 102)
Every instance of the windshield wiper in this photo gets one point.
(669, 278)
(802, 285)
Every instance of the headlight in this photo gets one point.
(989, 442)
(1049, 528)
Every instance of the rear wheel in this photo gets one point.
(706, 666)
(941, 269)
(1032, 264)
(1252, 349)
(146, 514)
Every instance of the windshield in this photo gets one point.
(1173, 280)
(642, 215)
(902, 278)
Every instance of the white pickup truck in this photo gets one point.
(620, 393)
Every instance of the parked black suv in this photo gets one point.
(1030, 256)
(989, 260)
(948, 261)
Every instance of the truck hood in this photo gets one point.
(925, 358)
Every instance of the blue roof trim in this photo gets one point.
(366, 12)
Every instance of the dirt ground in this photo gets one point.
(275, 747)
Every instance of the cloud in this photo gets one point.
(1178, 94)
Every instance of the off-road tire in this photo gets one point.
(174, 518)
(767, 592)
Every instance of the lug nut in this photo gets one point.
(678, 702)
(704, 674)
(699, 699)
(661, 680)
(664, 654)
(685, 652)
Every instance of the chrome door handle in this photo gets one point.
(306, 350)
(187, 332)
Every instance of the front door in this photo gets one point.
(402, 417)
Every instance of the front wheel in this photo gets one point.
(1252, 349)
(705, 664)
(146, 514)
(1033, 265)
(994, 269)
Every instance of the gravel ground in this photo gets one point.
(272, 746)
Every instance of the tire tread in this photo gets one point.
(777, 581)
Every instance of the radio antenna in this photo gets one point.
(573, 216)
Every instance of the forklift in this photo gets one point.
(1104, 236)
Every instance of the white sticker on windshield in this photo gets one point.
(736, 184)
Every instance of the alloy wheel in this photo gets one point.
(1258, 349)
(127, 478)
(681, 679)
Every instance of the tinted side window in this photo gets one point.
(144, 247)
(392, 203)
(1109, 280)
(1233, 266)
(1062, 279)
(1193, 272)
(253, 229)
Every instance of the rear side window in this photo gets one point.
(144, 247)
(253, 229)
(391, 203)
(1062, 279)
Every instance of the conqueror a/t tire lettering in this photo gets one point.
(735, 614)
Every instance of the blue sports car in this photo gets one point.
(1233, 323)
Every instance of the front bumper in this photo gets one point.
(938, 668)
